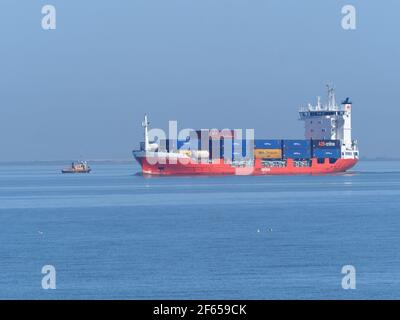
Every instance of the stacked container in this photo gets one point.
(214, 148)
(242, 149)
(214, 134)
(297, 149)
(326, 149)
(171, 145)
(223, 146)
(210, 141)
(267, 149)
(235, 149)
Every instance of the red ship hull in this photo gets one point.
(152, 165)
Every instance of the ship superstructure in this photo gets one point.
(330, 121)
(327, 148)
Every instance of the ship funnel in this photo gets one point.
(347, 101)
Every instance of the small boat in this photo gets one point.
(77, 167)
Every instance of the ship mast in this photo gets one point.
(145, 125)
(331, 97)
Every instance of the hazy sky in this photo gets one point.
(82, 89)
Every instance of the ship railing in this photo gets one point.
(322, 108)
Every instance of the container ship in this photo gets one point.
(327, 148)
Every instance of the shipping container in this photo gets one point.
(215, 133)
(327, 144)
(327, 153)
(183, 144)
(226, 148)
(203, 133)
(267, 153)
(171, 145)
(267, 144)
(297, 153)
(243, 148)
(236, 148)
(214, 148)
(237, 155)
(200, 144)
(290, 144)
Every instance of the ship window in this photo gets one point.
(323, 130)
(320, 160)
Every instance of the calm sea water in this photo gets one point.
(114, 234)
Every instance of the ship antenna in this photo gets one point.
(331, 96)
(145, 125)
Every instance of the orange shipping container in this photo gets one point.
(267, 153)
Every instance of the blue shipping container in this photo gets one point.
(327, 144)
(183, 144)
(297, 153)
(226, 155)
(290, 144)
(173, 145)
(238, 149)
(267, 144)
(327, 153)
(199, 144)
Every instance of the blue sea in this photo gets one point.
(113, 234)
